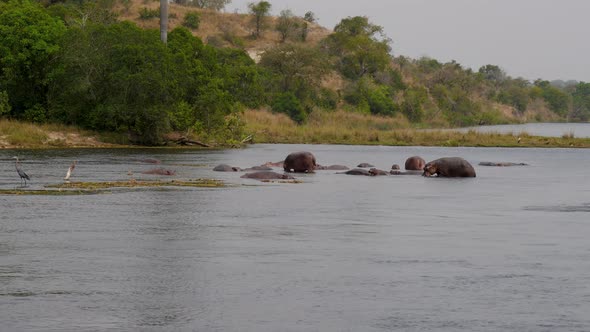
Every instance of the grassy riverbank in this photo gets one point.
(321, 128)
(359, 129)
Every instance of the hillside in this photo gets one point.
(101, 66)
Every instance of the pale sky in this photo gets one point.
(548, 39)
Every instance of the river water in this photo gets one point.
(506, 251)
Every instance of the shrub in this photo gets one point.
(146, 13)
(288, 104)
(192, 20)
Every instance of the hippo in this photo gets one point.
(375, 172)
(449, 167)
(398, 172)
(364, 165)
(332, 167)
(357, 171)
(415, 163)
(159, 171)
(501, 164)
(300, 162)
(259, 168)
(267, 175)
(271, 164)
(394, 167)
(150, 161)
(226, 168)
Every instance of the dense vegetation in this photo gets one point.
(77, 63)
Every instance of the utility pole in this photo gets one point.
(164, 21)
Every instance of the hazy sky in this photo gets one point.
(547, 39)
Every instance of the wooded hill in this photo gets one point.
(101, 65)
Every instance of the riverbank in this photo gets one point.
(359, 129)
(321, 128)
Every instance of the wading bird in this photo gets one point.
(70, 170)
(20, 172)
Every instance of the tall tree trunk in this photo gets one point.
(164, 21)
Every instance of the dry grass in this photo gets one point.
(214, 23)
(17, 134)
(353, 128)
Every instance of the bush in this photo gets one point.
(4, 104)
(288, 104)
(146, 13)
(192, 20)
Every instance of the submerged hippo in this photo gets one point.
(300, 162)
(415, 163)
(271, 164)
(398, 172)
(375, 172)
(501, 164)
(267, 175)
(159, 171)
(357, 171)
(364, 165)
(449, 167)
(331, 168)
(226, 168)
(394, 167)
(259, 168)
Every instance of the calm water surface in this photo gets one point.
(506, 251)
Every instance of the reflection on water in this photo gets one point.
(334, 253)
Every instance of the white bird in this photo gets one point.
(70, 170)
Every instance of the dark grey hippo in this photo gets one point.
(159, 171)
(259, 168)
(364, 165)
(300, 162)
(331, 168)
(449, 167)
(357, 171)
(267, 175)
(394, 167)
(376, 172)
(226, 168)
(415, 163)
(501, 164)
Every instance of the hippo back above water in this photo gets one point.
(300, 162)
(449, 167)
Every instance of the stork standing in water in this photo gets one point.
(70, 170)
(20, 172)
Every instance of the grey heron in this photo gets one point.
(20, 172)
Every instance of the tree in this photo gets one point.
(28, 44)
(209, 4)
(296, 68)
(581, 102)
(260, 11)
(310, 17)
(287, 25)
(358, 48)
(493, 73)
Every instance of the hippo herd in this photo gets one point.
(305, 162)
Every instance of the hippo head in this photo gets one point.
(429, 169)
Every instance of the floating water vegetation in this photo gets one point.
(207, 183)
(89, 188)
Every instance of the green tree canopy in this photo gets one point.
(28, 44)
(259, 11)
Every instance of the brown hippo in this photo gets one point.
(357, 171)
(415, 163)
(226, 168)
(501, 164)
(449, 167)
(375, 172)
(331, 168)
(267, 175)
(159, 171)
(300, 162)
(364, 165)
